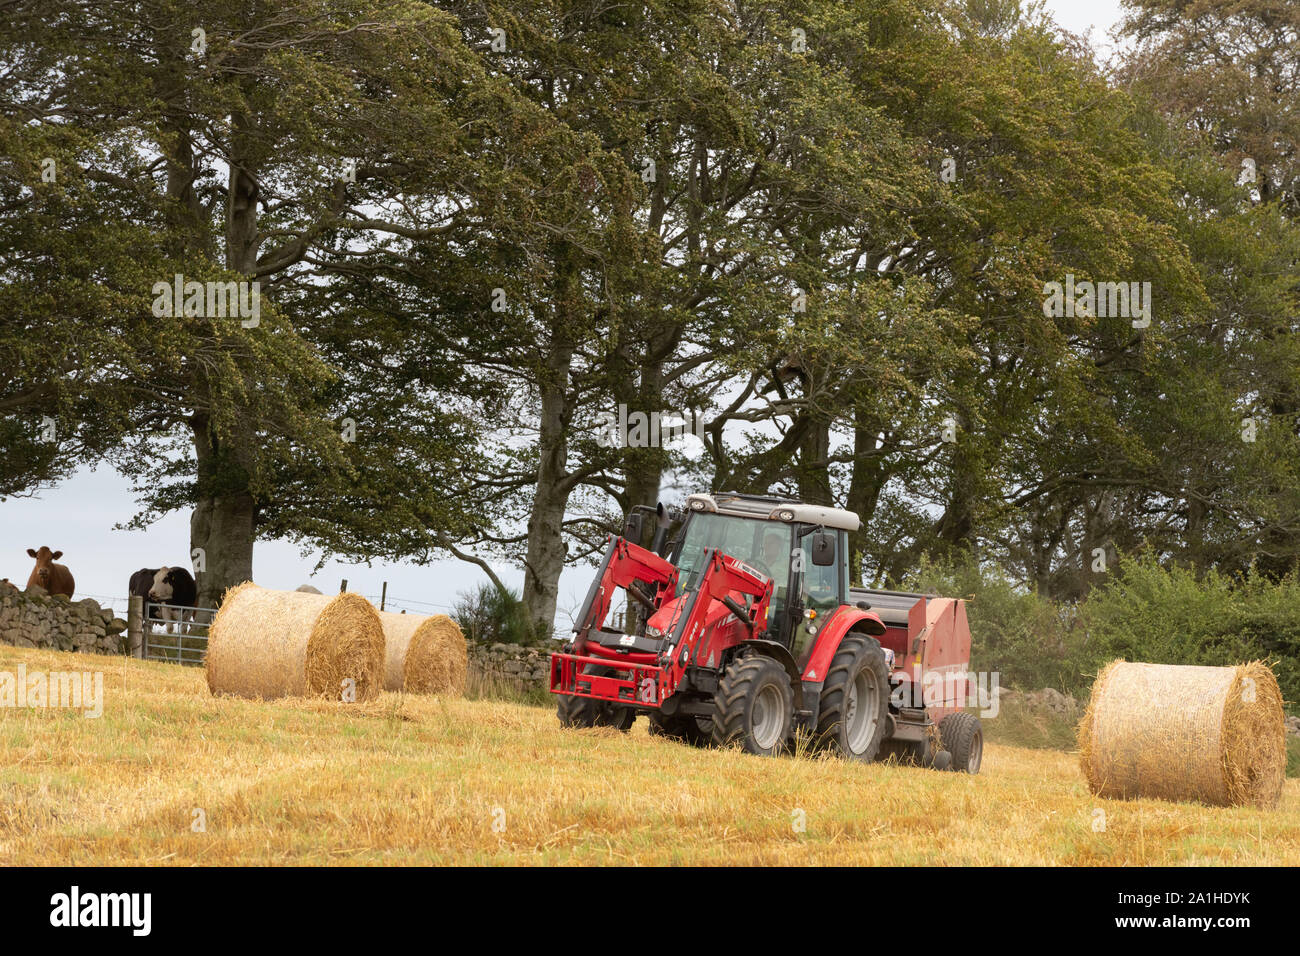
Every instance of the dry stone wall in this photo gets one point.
(34, 618)
(519, 667)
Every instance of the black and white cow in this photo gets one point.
(166, 586)
(141, 582)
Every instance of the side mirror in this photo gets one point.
(634, 526)
(823, 549)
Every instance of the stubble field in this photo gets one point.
(170, 775)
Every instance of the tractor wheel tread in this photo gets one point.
(576, 711)
(682, 728)
(582, 712)
(742, 677)
(856, 651)
(959, 733)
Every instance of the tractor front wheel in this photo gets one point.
(695, 731)
(575, 711)
(753, 706)
(855, 699)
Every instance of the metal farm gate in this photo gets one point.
(181, 640)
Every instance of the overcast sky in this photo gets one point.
(78, 516)
(1078, 15)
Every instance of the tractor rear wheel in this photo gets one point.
(963, 737)
(855, 699)
(696, 731)
(754, 705)
(575, 711)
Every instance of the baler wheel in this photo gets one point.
(753, 706)
(855, 700)
(963, 737)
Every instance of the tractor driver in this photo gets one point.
(773, 563)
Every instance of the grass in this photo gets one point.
(1037, 728)
(406, 780)
(479, 686)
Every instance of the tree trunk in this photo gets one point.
(814, 454)
(224, 521)
(953, 532)
(546, 548)
(544, 559)
(644, 467)
(865, 484)
(221, 528)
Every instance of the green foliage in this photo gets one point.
(916, 170)
(490, 615)
(1145, 611)
(1169, 615)
(1029, 640)
(1021, 723)
(1229, 70)
(302, 147)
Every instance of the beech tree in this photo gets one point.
(826, 230)
(279, 143)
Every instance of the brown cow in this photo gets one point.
(55, 578)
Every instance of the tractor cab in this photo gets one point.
(802, 548)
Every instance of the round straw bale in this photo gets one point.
(412, 659)
(1180, 732)
(454, 654)
(293, 644)
(423, 654)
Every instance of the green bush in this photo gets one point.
(1027, 639)
(1167, 615)
(490, 615)
(1021, 724)
(1145, 612)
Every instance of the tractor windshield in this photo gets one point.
(764, 545)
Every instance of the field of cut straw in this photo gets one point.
(168, 774)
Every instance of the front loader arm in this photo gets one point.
(699, 629)
(625, 565)
(692, 638)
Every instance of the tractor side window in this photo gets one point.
(821, 585)
(820, 591)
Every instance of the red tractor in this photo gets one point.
(747, 631)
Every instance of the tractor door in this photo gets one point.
(822, 589)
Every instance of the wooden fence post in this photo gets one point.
(135, 625)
